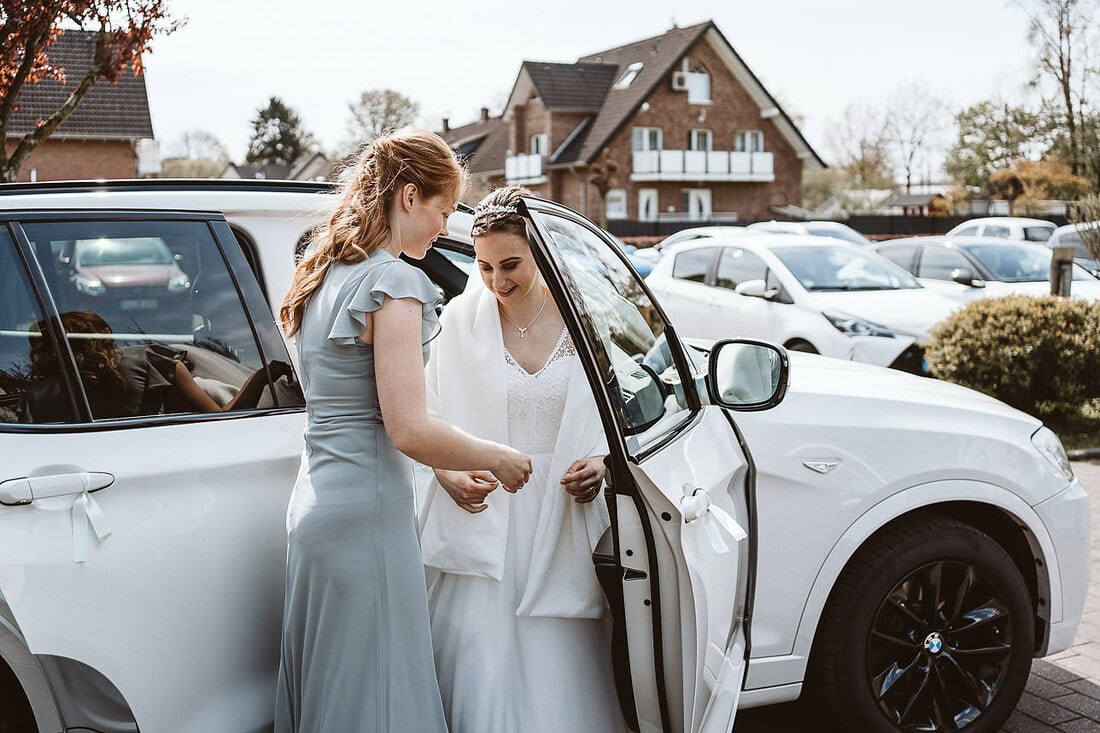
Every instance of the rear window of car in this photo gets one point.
(1038, 234)
(693, 264)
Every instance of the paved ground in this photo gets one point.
(1063, 692)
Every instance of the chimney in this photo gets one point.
(484, 114)
(446, 125)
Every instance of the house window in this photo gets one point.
(629, 75)
(647, 138)
(698, 85)
(749, 141)
(696, 203)
(647, 204)
(616, 203)
(539, 144)
(700, 140)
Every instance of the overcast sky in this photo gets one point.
(454, 57)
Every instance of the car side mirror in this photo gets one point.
(755, 289)
(964, 276)
(747, 375)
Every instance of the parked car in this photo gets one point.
(775, 519)
(687, 235)
(807, 293)
(1005, 227)
(641, 263)
(834, 229)
(1070, 236)
(966, 268)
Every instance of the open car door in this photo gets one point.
(675, 564)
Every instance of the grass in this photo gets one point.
(1078, 431)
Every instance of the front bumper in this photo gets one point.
(1067, 518)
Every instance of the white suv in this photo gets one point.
(902, 545)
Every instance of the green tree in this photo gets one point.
(277, 135)
(991, 135)
(378, 111)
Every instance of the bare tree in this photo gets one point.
(378, 111)
(1085, 213)
(198, 145)
(915, 126)
(1060, 31)
(860, 142)
(603, 178)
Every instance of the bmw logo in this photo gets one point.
(934, 643)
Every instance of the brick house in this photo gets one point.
(695, 135)
(110, 135)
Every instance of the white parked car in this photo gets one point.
(834, 229)
(902, 545)
(1070, 236)
(1019, 228)
(968, 268)
(807, 293)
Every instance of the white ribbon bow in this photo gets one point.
(696, 504)
(87, 519)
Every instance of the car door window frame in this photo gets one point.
(43, 293)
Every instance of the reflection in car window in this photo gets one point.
(1019, 263)
(939, 263)
(736, 265)
(625, 330)
(18, 312)
(899, 254)
(693, 264)
(138, 299)
(841, 268)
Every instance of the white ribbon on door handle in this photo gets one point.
(87, 519)
(696, 504)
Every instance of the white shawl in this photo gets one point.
(466, 387)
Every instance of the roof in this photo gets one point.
(913, 199)
(579, 87)
(482, 144)
(270, 171)
(109, 112)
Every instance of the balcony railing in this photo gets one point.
(702, 165)
(525, 168)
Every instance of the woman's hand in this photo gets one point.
(468, 489)
(512, 468)
(584, 478)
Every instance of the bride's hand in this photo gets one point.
(583, 479)
(468, 489)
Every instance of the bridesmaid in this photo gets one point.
(356, 649)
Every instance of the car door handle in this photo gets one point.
(21, 491)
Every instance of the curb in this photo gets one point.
(1084, 454)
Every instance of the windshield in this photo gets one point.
(848, 235)
(136, 251)
(1023, 263)
(839, 268)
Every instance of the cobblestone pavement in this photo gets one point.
(1063, 692)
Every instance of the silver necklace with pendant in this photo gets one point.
(523, 329)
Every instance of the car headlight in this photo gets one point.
(180, 283)
(1051, 447)
(89, 286)
(852, 326)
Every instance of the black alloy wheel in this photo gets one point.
(930, 628)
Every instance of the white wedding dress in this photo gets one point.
(503, 673)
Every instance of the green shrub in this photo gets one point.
(1041, 355)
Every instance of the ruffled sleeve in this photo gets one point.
(365, 294)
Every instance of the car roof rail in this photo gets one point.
(167, 184)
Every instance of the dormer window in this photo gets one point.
(629, 75)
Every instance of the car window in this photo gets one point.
(967, 231)
(625, 329)
(899, 254)
(827, 268)
(737, 265)
(19, 314)
(694, 264)
(1019, 263)
(996, 230)
(139, 301)
(1037, 234)
(938, 263)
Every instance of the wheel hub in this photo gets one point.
(933, 643)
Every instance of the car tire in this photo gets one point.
(16, 715)
(885, 661)
(801, 345)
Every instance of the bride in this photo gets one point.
(517, 615)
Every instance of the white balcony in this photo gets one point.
(702, 166)
(525, 169)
